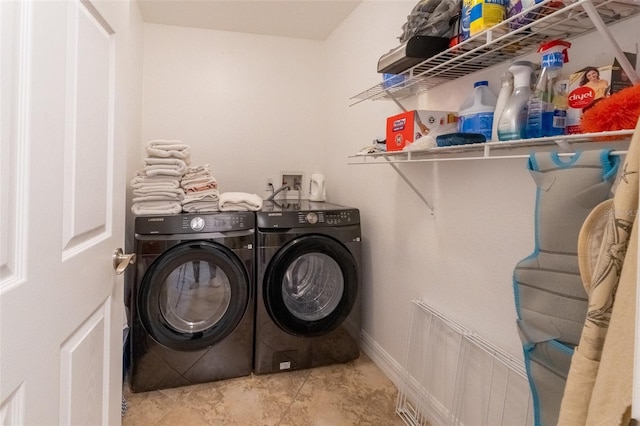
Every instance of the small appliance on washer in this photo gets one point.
(192, 299)
(308, 298)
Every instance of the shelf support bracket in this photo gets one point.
(396, 101)
(412, 186)
(606, 34)
(564, 146)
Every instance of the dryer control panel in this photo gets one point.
(333, 218)
(308, 218)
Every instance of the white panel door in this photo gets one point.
(61, 216)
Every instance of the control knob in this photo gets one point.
(197, 223)
(312, 218)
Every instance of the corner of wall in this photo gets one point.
(385, 362)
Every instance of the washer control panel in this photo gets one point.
(194, 223)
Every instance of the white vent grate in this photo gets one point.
(454, 377)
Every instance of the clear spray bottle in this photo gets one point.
(513, 120)
(547, 109)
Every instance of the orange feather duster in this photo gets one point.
(617, 112)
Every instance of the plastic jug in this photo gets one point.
(476, 112)
(317, 190)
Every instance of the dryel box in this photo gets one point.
(592, 84)
(409, 126)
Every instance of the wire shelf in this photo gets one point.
(501, 43)
(618, 140)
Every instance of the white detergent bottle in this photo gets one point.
(505, 92)
(476, 112)
(512, 124)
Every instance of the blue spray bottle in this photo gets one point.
(547, 108)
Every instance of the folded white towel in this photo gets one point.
(201, 207)
(239, 201)
(158, 197)
(168, 148)
(197, 171)
(160, 181)
(164, 169)
(177, 162)
(209, 195)
(205, 178)
(154, 190)
(156, 207)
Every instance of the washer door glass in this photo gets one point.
(310, 285)
(193, 295)
(313, 286)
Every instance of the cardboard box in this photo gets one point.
(412, 125)
(515, 7)
(583, 94)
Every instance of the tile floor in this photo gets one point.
(355, 393)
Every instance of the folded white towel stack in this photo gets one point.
(201, 190)
(240, 201)
(156, 189)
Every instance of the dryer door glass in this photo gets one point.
(312, 286)
(195, 296)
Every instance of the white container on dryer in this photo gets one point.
(317, 189)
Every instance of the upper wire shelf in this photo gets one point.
(540, 23)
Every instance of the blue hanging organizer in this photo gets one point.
(551, 303)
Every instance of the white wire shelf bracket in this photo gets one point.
(617, 140)
(501, 44)
(413, 187)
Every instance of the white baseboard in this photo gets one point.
(385, 362)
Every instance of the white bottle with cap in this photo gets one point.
(317, 189)
(476, 112)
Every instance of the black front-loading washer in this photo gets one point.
(191, 299)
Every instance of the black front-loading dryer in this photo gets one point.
(308, 280)
(191, 299)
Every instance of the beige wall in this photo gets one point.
(249, 106)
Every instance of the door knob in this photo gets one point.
(121, 260)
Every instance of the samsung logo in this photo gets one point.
(275, 214)
(156, 219)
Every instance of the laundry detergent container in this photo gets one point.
(476, 112)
